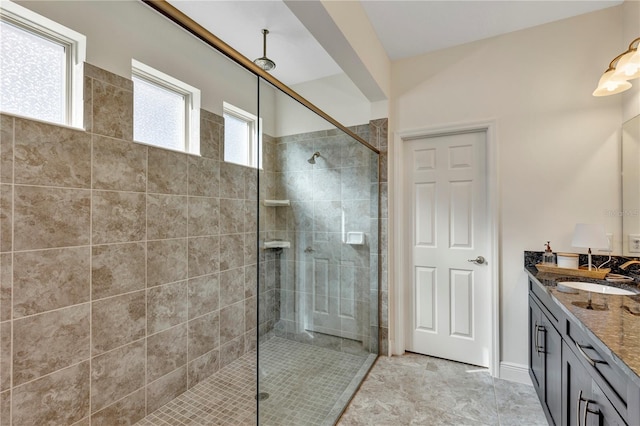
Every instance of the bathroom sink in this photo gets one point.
(596, 288)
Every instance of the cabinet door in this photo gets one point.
(584, 403)
(552, 347)
(536, 355)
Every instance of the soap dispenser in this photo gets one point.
(548, 257)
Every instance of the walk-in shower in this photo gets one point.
(152, 286)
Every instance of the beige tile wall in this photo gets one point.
(127, 271)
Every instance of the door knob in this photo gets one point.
(478, 260)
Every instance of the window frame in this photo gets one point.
(75, 45)
(192, 97)
(254, 139)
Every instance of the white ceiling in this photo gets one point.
(405, 28)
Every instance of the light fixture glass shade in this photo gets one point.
(589, 235)
(628, 66)
(608, 85)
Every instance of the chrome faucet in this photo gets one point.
(629, 263)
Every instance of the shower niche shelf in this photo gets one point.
(277, 203)
(276, 244)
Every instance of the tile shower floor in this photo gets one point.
(307, 385)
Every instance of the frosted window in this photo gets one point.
(32, 75)
(159, 115)
(236, 140)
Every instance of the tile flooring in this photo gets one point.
(309, 385)
(420, 390)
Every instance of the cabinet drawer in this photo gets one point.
(600, 366)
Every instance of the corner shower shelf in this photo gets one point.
(276, 244)
(277, 203)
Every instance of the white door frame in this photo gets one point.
(396, 286)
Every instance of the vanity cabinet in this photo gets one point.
(576, 377)
(545, 360)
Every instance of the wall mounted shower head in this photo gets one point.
(312, 160)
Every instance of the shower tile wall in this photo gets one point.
(337, 194)
(127, 272)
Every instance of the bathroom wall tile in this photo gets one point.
(231, 286)
(5, 356)
(231, 181)
(204, 295)
(168, 172)
(166, 216)
(87, 102)
(204, 256)
(6, 218)
(231, 216)
(127, 411)
(117, 269)
(66, 393)
(355, 183)
(250, 313)
(250, 281)
(50, 279)
(83, 422)
(105, 76)
(116, 374)
(166, 351)
(50, 217)
(203, 216)
(112, 110)
(250, 340)
(251, 184)
(50, 155)
(250, 248)
(331, 151)
(231, 251)
(204, 177)
(383, 166)
(50, 341)
(166, 388)
(117, 321)
(299, 186)
(250, 215)
(203, 367)
(204, 334)
(166, 261)
(231, 351)
(293, 157)
(211, 135)
(326, 216)
(166, 306)
(231, 322)
(354, 154)
(6, 148)
(5, 407)
(119, 165)
(118, 217)
(356, 215)
(6, 286)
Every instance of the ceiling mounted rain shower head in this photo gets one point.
(312, 160)
(264, 62)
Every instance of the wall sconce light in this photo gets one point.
(622, 68)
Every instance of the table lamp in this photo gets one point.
(590, 236)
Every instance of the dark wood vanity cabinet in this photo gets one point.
(584, 403)
(545, 361)
(576, 379)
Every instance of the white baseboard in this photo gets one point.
(515, 372)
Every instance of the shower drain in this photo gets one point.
(262, 396)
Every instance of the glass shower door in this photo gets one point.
(318, 264)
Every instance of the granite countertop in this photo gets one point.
(616, 328)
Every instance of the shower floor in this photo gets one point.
(307, 385)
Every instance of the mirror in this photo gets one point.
(631, 187)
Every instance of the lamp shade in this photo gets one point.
(628, 67)
(588, 235)
(610, 86)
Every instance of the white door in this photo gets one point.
(445, 226)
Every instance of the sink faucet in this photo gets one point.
(629, 263)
